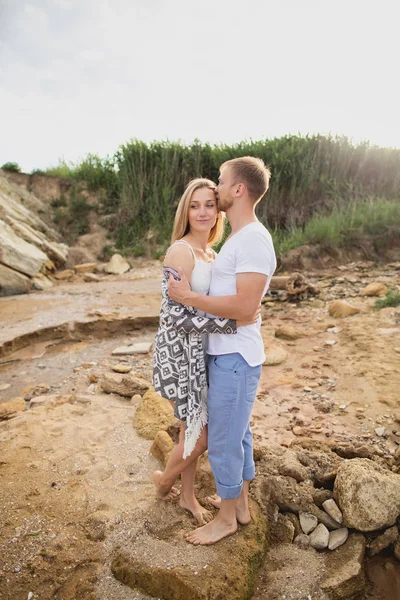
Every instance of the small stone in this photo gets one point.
(86, 268)
(333, 510)
(308, 522)
(302, 540)
(288, 332)
(136, 399)
(4, 387)
(66, 274)
(337, 538)
(121, 368)
(91, 278)
(296, 430)
(342, 406)
(380, 431)
(330, 342)
(139, 348)
(319, 538)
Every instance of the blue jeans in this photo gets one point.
(233, 387)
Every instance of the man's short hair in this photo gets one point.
(252, 172)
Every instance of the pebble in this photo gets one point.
(302, 540)
(319, 539)
(4, 387)
(334, 330)
(337, 538)
(330, 342)
(308, 522)
(298, 430)
(121, 368)
(139, 348)
(333, 510)
(380, 431)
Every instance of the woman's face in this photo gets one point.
(203, 210)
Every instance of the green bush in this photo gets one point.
(392, 299)
(13, 167)
(322, 188)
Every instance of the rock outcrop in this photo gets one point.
(28, 246)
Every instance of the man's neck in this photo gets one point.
(240, 218)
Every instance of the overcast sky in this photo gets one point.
(80, 76)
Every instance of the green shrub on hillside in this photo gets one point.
(13, 167)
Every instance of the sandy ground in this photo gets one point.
(71, 475)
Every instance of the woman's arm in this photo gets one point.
(186, 320)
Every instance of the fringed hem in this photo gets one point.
(194, 429)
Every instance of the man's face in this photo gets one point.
(225, 189)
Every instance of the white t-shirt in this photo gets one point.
(250, 250)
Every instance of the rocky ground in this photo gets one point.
(78, 514)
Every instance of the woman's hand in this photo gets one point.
(252, 321)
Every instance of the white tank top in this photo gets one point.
(201, 275)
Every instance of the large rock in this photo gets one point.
(339, 308)
(56, 252)
(157, 560)
(162, 447)
(123, 384)
(345, 579)
(19, 254)
(12, 282)
(368, 495)
(8, 410)
(275, 355)
(384, 540)
(154, 414)
(117, 265)
(374, 289)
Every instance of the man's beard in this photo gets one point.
(225, 203)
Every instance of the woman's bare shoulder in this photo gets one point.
(179, 255)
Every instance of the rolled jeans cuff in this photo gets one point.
(249, 472)
(229, 492)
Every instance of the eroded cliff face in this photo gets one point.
(29, 248)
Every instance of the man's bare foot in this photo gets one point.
(212, 533)
(242, 512)
(164, 493)
(201, 514)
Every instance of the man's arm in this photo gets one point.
(241, 306)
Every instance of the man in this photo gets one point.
(240, 277)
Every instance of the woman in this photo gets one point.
(180, 345)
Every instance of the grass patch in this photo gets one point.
(392, 299)
(377, 220)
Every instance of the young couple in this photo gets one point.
(209, 367)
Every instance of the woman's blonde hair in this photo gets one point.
(181, 222)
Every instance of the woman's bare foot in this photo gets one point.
(212, 533)
(242, 512)
(164, 493)
(201, 514)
